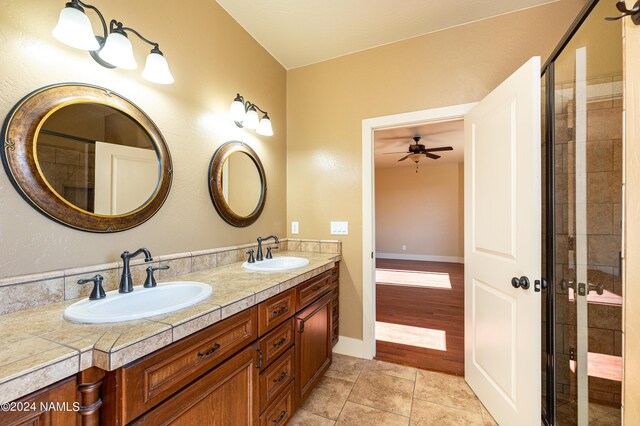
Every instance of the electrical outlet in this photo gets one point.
(294, 228)
(404, 248)
(339, 228)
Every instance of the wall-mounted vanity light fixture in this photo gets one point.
(111, 50)
(245, 114)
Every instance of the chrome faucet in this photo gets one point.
(260, 256)
(126, 283)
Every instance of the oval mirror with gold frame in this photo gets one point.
(237, 183)
(86, 157)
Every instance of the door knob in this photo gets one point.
(522, 282)
(564, 285)
(598, 288)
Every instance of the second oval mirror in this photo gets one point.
(237, 183)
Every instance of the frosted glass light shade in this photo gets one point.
(264, 128)
(251, 121)
(415, 157)
(156, 69)
(236, 111)
(118, 51)
(74, 29)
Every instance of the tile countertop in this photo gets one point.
(39, 347)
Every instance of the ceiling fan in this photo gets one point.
(418, 150)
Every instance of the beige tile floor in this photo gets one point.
(369, 393)
(599, 415)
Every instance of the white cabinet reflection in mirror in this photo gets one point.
(126, 177)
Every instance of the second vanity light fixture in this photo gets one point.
(113, 49)
(245, 114)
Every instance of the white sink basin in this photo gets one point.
(277, 264)
(141, 303)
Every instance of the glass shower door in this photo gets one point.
(588, 223)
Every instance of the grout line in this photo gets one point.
(413, 392)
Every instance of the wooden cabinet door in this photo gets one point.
(228, 395)
(55, 405)
(313, 345)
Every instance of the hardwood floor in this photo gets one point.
(420, 314)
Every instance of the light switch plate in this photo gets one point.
(295, 228)
(339, 228)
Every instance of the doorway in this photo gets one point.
(366, 348)
(420, 245)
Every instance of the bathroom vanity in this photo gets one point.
(254, 366)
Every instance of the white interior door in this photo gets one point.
(502, 241)
(126, 177)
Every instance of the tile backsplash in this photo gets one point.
(30, 291)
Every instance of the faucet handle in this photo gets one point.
(98, 292)
(251, 258)
(150, 281)
(269, 255)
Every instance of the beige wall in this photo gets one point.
(631, 317)
(327, 102)
(420, 210)
(211, 58)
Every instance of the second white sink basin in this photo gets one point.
(277, 264)
(141, 303)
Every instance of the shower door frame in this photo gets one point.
(548, 73)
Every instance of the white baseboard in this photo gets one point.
(351, 347)
(424, 257)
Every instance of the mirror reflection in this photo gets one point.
(98, 159)
(241, 183)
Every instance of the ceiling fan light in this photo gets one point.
(415, 157)
(117, 51)
(74, 29)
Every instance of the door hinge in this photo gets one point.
(571, 243)
(372, 255)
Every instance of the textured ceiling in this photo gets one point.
(303, 32)
(444, 133)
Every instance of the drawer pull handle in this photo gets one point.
(283, 376)
(210, 351)
(280, 311)
(280, 342)
(301, 327)
(259, 365)
(316, 287)
(282, 415)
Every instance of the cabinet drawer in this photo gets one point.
(335, 273)
(276, 378)
(312, 289)
(152, 379)
(276, 343)
(226, 395)
(335, 288)
(280, 411)
(273, 312)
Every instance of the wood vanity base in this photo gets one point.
(253, 368)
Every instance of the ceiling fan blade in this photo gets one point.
(404, 158)
(401, 152)
(433, 156)
(442, 148)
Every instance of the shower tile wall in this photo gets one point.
(604, 229)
